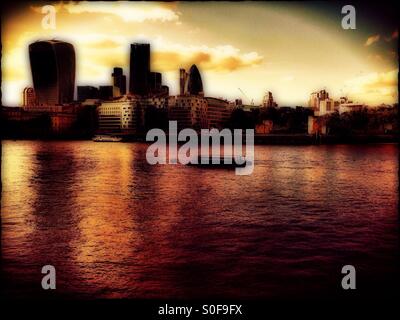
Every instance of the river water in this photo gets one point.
(116, 227)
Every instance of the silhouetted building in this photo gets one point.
(53, 71)
(87, 92)
(316, 97)
(194, 85)
(183, 76)
(155, 82)
(321, 103)
(139, 68)
(350, 106)
(119, 82)
(165, 90)
(105, 92)
(188, 111)
(268, 101)
(218, 112)
(28, 98)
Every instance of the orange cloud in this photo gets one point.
(372, 85)
(171, 56)
(372, 39)
(128, 12)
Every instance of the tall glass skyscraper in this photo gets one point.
(53, 71)
(195, 85)
(139, 68)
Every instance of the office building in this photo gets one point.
(218, 112)
(28, 98)
(155, 82)
(87, 92)
(326, 106)
(188, 111)
(350, 107)
(183, 76)
(53, 71)
(321, 103)
(139, 68)
(268, 101)
(119, 115)
(105, 92)
(119, 82)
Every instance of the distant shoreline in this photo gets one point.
(271, 139)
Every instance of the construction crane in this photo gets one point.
(248, 99)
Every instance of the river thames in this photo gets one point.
(116, 227)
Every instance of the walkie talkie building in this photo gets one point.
(53, 71)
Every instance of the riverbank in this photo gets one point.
(270, 139)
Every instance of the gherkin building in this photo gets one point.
(195, 85)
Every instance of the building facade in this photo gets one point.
(29, 98)
(218, 112)
(321, 103)
(119, 116)
(119, 82)
(350, 106)
(188, 111)
(155, 101)
(326, 106)
(268, 101)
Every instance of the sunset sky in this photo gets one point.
(290, 49)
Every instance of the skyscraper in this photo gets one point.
(268, 100)
(53, 71)
(87, 92)
(195, 85)
(182, 81)
(139, 68)
(119, 82)
(105, 92)
(155, 82)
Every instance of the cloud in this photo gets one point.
(171, 56)
(109, 51)
(375, 57)
(375, 85)
(128, 12)
(372, 39)
(134, 12)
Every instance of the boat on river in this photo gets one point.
(106, 138)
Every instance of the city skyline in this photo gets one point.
(364, 65)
